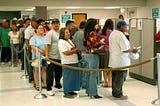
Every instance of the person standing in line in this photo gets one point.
(37, 45)
(14, 40)
(91, 42)
(68, 52)
(119, 49)
(106, 31)
(70, 26)
(78, 41)
(29, 32)
(52, 52)
(22, 39)
(6, 50)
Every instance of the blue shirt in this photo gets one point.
(38, 42)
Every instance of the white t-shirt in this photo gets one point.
(117, 44)
(29, 32)
(63, 46)
(14, 38)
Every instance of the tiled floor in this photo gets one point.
(15, 91)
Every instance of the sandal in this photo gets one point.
(37, 88)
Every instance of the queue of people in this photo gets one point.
(72, 47)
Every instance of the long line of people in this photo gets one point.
(72, 47)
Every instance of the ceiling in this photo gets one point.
(23, 5)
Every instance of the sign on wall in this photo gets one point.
(155, 12)
(65, 18)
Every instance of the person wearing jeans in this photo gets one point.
(91, 42)
(119, 49)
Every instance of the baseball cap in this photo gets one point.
(121, 23)
(55, 20)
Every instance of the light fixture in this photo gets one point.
(111, 7)
(74, 7)
(30, 9)
(122, 10)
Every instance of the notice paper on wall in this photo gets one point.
(133, 23)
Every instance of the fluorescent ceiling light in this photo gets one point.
(111, 7)
(30, 9)
(72, 7)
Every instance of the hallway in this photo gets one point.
(15, 91)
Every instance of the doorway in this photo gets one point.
(79, 17)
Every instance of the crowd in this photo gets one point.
(88, 46)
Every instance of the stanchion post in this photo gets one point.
(12, 53)
(25, 76)
(157, 101)
(40, 95)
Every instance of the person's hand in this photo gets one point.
(74, 49)
(134, 50)
(102, 41)
(46, 57)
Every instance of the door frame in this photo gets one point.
(80, 14)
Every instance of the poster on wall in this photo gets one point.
(133, 23)
(139, 26)
(65, 18)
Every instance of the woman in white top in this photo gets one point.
(14, 40)
(68, 52)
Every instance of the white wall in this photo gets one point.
(91, 13)
(146, 11)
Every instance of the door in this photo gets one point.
(79, 17)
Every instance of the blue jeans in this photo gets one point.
(93, 63)
(83, 74)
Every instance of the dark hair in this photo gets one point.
(39, 21)
(90, 26)
(82, 24)
(61, 33)
(120, 16)
(27, 19)
(108, 25)
(69, 22)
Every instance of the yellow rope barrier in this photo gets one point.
(99, 70)
(16, 49)
(27, 57)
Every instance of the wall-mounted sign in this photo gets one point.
(65, 18)
(155, 12)
(139, 24)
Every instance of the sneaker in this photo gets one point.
(124, 97)
(50, 93)
(69, 96)
(59, 90)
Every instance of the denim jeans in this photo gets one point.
(118, 79)
(83, 74)
(93, 63)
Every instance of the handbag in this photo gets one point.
(100, 50)
(35, 62)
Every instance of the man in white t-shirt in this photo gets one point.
(29, 32)
(119, 48)
(52, 52)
